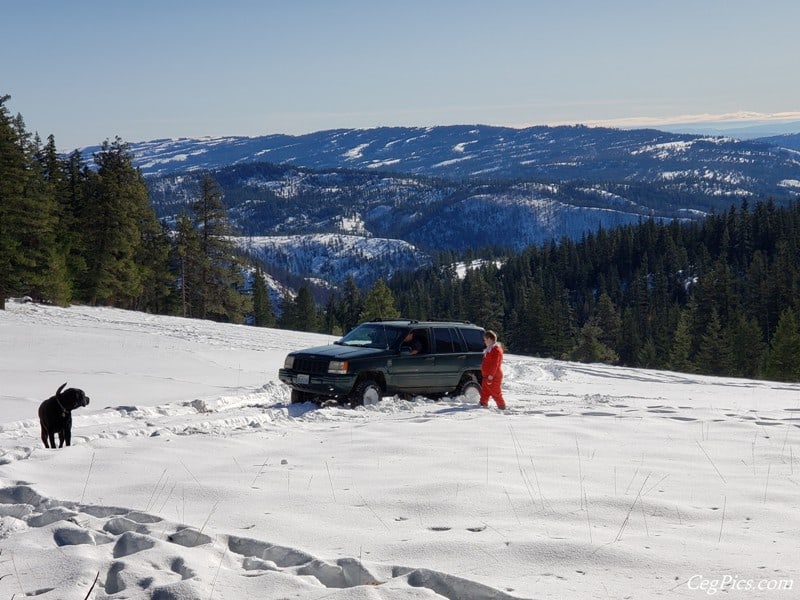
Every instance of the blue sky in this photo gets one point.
(89, 70)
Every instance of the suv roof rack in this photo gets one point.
(396, 319)
(390, 320)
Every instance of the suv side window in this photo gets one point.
(443, 340)
(474, 339)
(421, 336)
(458, 343)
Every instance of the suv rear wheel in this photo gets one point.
(469, 388)
(365, 393)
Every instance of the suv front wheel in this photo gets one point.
(298, 397)
(365, 393)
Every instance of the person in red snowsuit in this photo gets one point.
(492, 371)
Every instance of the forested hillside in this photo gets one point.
(265, 199)
(718, 297)
(73, 232)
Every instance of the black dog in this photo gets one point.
(55, 415)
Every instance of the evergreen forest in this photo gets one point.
(72, 232)
(718, 296)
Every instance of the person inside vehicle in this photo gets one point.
(377, 338)
(411, 344)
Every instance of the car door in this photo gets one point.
(412, 372)
(451, 357)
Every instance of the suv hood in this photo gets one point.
(337, 352)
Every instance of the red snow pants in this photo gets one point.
(492, 389)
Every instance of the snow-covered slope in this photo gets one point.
(191, 476)
(334, 257)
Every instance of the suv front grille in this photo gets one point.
(313, 366)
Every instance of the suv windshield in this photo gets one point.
(373, 335)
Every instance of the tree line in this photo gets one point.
(72, 232)
(720, 296)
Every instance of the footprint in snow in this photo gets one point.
(137, 554)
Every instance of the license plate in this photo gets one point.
(302, 378)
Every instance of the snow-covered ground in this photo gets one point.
(191, 476)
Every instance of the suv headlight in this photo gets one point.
(337, 367)
(289, 362)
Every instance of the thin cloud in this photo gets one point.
(705, 118)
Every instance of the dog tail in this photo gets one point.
(58, 391)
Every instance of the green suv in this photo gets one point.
(384, 358)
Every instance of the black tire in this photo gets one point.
(299, 397)
(469, 388)
(365, 393)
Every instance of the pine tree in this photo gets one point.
(784, 281)
(607, 320)
(57, 188)
(590, 349)
(783, 362)
(528, 330)
(12, 168)
(351, 306)
(481, 303)
(220, 277)
(288, 311)
(713, 348)
(305, 311)
(263, 316)
(746, 347)
(72, 201)
(30, 262)
(559, 325)
(115, 217)
(153, 258)
(379, 303)
(681, 351)
(299, 313)
(635, 318)
(187, 262)
(647, 355)
(330, 323)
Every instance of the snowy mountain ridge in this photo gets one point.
(459, 151)
(460, 187)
